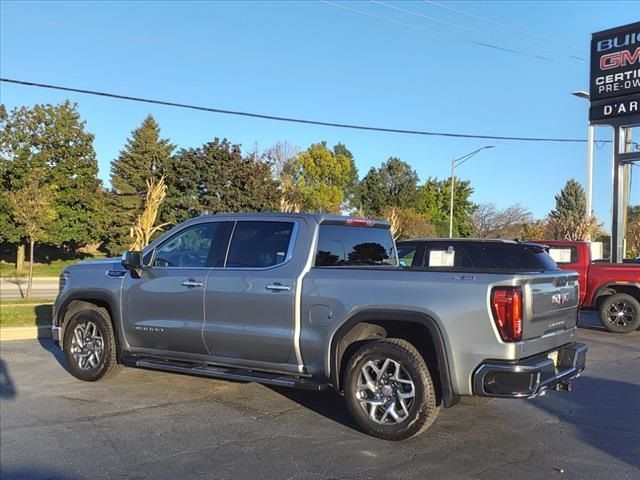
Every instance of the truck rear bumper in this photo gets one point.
(530, 376)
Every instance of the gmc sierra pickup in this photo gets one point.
(315, 301)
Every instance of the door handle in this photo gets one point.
(191, 283)
(276, 287)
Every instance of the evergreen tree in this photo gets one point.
(216, 178)
(351, 187)
(571, 202)
(569, 220)
(145, 156)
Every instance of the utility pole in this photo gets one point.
(590, 140)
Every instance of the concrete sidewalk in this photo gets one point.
(25, 333)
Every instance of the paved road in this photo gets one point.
(151, 425)
(11, 288)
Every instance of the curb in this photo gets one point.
(25, 333)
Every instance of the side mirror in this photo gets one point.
(132, 260)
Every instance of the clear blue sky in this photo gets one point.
(312, 60)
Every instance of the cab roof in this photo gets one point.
(316, 217)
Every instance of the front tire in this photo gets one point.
(620, 313)
(389, 390)
(90, 346)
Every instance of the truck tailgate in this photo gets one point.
(551, 303)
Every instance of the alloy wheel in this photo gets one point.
(385, 391)
(621, 314)
(87, 345)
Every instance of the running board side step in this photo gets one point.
(228, 374)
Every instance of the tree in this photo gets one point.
(434, 200)
(568, 221)
(322, 178)
(351, 187)
(216, 178)
(32, 209)
(144, 158)
(394, 184)
(571, 202)
(281, 159)
(535, 230)
(52, 140)
(408, 223)
(10, 231)
(490, 222)
(633, 231)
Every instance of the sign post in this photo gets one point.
(615, 101)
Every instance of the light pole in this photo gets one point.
(454, 163)
(590, 136)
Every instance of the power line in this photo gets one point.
(504, 25)
(474, 30)
(289, 119)
(436, 32)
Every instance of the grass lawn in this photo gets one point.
(51, 269)
(25, 312)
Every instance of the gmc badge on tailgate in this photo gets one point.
(559, 298)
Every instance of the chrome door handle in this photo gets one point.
(276, 287)
(191, 283)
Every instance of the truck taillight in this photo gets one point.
(506, 306)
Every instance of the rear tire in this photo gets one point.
(90, 345)
(620, 313)
(389, 391)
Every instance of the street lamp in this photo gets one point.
(454, 163)
(590, 135)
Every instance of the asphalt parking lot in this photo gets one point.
(152, 425)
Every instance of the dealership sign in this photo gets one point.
(615, 74)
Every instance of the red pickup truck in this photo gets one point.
(611, 288)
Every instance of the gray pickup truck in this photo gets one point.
(317, 301)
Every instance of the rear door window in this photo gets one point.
(256, 244)
(342, 246)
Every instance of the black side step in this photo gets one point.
(228, 373)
